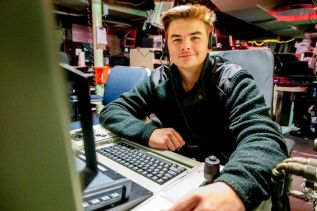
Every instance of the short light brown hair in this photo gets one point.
(195, 11)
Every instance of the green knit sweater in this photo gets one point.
(223, 115)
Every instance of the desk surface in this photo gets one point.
(164, 194)
(290, 88)
(167, 194)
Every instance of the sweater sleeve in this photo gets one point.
(125, 115)
(260, 143)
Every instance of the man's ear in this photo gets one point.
(212, 40)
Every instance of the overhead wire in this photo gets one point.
(269, 41)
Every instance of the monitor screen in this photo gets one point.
(126, 50)
(296, 68)
(287, 64)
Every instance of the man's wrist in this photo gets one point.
(234, 195)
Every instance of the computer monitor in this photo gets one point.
(38, 171)
(119, 60)
(287, 64)
(81, 84)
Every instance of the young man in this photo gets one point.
(207, 107)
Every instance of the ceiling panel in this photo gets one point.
(257, 12)
(250, 15)
(287, 31)
(273, 4)
(234, 5)
(273, 25)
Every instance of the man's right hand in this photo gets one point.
(166, 138)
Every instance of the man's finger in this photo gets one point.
(170, 145)
(179, 138)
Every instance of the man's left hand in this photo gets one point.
(213, 197)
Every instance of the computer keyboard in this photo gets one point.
(146, 164)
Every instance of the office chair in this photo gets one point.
(122, 79)
(260, 63)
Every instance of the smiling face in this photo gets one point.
(187, 41)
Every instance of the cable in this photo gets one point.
(269, 40)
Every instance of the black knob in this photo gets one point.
(211, 168)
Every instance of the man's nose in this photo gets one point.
(185, 45)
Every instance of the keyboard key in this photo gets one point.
(94, 201)
(85, 204)
(105, 198)
(115, 195)
(160, 181)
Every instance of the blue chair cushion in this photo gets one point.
(122, 79)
